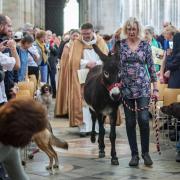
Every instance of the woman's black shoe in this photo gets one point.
(134, 161)
(147, 159)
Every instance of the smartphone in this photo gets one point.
(171, 44)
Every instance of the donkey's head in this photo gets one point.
(111, 74)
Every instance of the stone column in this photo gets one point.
(1, 6)
(39, 13)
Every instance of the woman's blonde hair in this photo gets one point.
(130, 23)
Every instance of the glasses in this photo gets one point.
(131, 29)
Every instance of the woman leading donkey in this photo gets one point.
(137, 74)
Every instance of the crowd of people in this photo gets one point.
(145, 58)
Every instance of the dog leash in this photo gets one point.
(156, 128)
(134, 109)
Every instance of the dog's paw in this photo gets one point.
(49, 168)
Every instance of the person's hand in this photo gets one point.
(169, 52)
(11, 44)
(167, 74)
(90, 65)
(161, 79)
(3, 45)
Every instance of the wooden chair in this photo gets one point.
(178, 98)
(161, 88)
(170, 96)
(27, 86)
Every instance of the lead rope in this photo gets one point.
(156, 128)
(134, 109)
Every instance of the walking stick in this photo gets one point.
(156, 128)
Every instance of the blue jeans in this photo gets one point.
(52, 75)
(143, 122)
(44, 73)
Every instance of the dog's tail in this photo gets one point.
(59, 143)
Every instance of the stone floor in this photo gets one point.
(81, 161)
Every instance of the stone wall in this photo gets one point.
(109, 15)
(23, 11)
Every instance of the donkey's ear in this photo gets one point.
(102, 56)
(116, 50)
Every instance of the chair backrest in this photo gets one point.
(178, 98)
(170, 96)
(161, 88)
(27, 86)
(23, 94)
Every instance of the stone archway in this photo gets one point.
(54, 16)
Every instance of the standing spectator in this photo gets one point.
(33, 57)
(169, 32)
(52, 61)
(164, 43)
(149, 37)
(42, 62)
(5, 33)
(23, 52)
(135, 53)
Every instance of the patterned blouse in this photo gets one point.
(137, 70)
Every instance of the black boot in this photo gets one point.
(178, 157)
(147, 159)
(134, 161)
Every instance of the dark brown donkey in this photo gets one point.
(102, 94)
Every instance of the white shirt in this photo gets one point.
(8, 64)
(89, 55)
(34, 51)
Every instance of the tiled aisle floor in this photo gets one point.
(81, 161)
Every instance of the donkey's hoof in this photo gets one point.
(114, 161)
(56, 166)
(49, 168)
(93, 138)
(30, 156)
(101, 154)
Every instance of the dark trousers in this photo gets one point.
(52, 75)
(143, 122)
(33, 70)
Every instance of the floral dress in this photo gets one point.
(137, 70)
